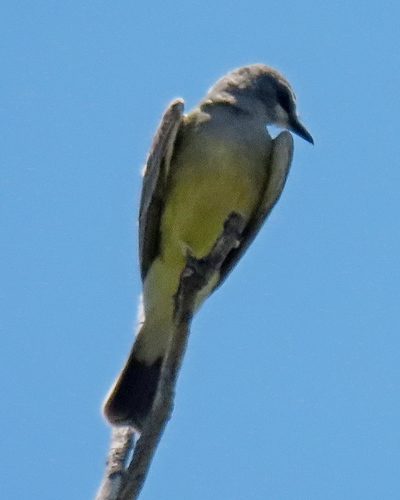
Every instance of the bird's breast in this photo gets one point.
(210, 177)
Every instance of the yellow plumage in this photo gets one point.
(210, 177)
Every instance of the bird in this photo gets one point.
(217, 159)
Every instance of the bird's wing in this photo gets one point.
(153, 190)
(281, 158)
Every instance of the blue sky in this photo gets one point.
(290, 386)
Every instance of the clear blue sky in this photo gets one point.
(290, 386)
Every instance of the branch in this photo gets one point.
(126, 484)
(121, 444)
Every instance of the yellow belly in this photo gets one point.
(203, 193)
(206, 185)
(204, 190)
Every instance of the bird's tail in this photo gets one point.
(131, 397)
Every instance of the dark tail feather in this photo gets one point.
(131, 398)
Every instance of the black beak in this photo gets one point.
(300, 130)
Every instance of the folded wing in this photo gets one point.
(153, 190)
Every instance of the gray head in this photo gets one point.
(262, 91)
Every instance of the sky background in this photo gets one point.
(290, 387)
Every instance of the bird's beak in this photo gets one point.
(299, 129)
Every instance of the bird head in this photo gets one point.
(264, 92)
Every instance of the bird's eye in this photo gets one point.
(285, 100)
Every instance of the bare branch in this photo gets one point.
(121, 444)
(126, 484)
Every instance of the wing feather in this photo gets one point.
(153, 189)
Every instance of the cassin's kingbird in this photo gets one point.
(203, 166)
